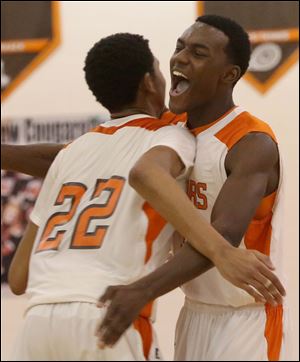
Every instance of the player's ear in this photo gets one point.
(148, 83)
(231, 74)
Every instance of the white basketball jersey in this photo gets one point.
(206, 180)
(94, 229)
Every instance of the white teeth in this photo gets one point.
(179, 74)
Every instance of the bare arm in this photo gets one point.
(153, 177)
(19, 267)
(33, 159)
(251, 177)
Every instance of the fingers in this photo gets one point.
(250, 290)
(122, 309)
(269, 282)
(107, 321)
(261, 293)
(266, 287)
(264, 291)
(102, 328)
(276, 283)
(111, 328)
(109, 336)
(107, 296)
(264, 258)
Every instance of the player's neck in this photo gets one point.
(209, 112)
(129, 112)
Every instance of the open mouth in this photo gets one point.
(180, 83)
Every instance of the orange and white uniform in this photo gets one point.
(220, 321)
(95, 231)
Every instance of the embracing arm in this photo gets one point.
(248, 182)
(153, 177)
(19, 267)
(33, 160)
(249, 179)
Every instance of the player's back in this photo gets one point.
(94, 229)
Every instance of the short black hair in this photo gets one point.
(238, 48)
(114, 67)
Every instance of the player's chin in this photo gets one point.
(176, 105)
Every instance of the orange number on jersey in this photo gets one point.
(73, 191)
(194, 192)
(84, 239)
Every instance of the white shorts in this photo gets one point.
(218, 333)
(65, 332)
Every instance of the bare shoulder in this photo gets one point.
(256, 150)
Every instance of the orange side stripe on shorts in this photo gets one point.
(273, 331)
(258, 237)
(155, 225)
(143, 326)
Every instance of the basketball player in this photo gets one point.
(89, 229)
(236, 184)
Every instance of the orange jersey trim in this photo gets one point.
(173, 118)
(155, 225)
(151, 124)
(259, 232)
(240, 126)
(200, 129)
(274, 331)
(258, 235)
(265, 207)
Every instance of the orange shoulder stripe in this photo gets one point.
(244, 123)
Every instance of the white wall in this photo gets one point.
(57, 87)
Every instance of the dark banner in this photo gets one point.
(19, 191)
(273, 27)
(29, 33)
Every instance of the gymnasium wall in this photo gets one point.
(57, 88)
